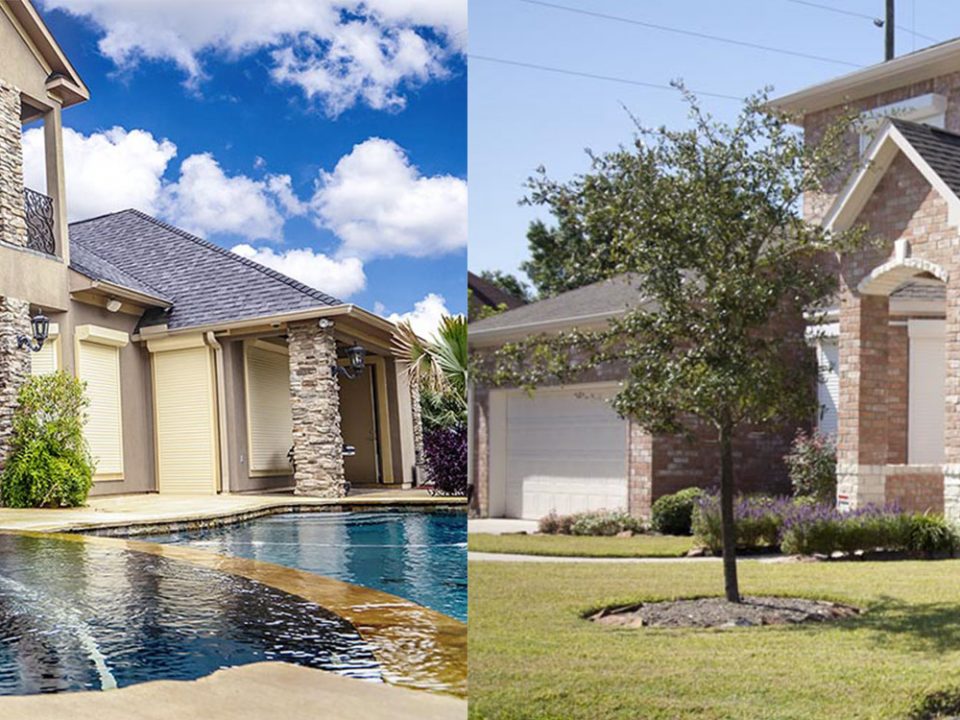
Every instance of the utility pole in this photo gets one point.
(889, 27)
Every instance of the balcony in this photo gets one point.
(39, 212)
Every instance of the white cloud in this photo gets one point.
(105, 171)
(425, 316)
(340, 278)
(380, 205)
(207, 201)
(345, 50)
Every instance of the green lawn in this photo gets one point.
(532, 656)
(575, 546)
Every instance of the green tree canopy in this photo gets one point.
(708, 220)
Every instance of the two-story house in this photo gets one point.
(890, 350)
(205, 372)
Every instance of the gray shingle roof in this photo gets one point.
(206, 283)
(939, 148)
(87, 262)
(607, 296)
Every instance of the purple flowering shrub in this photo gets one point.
(802, 527)
(445, 454)
(812, 466)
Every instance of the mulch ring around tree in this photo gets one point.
(716, 612)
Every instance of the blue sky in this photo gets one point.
(292, 126)
(521, 118)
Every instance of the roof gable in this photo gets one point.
(934, 152)
(63, 80)
(207, 284)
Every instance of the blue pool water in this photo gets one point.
(421, 556)
(74, 616)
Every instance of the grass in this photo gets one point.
(532, 656)
(577, 546)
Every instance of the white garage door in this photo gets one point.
(564, 452)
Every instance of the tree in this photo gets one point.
(707, 219)
(509, 283)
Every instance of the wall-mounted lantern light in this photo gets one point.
(40, 325)
(355, 355)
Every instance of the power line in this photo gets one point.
(690, 33)
(594, 76)
(865, 16)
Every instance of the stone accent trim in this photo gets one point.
(859, 485)
(315, 406)
(14, 365)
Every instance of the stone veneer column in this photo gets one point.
(14, 313)
(315, 405)
(862, 436)
(951, 425)
(13, 223)
(14, 364)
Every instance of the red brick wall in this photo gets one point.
(898, 361)
(816, 204)
(917, 492)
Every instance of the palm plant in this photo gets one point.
(438, 367)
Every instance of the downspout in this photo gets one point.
(221, 411)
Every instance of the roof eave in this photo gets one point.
(922, 65)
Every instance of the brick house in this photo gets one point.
(891, 349)
(205, 372)
(565, 449)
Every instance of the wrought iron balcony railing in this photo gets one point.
(39, 209)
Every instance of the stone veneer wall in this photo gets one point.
(14, 364)
(14, 313)
(13, 223)
(315, 405)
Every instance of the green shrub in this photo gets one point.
(812, 466)
(938, 705)
(599, 522)
(932, 534)
(758, 521)
(605, 522)
(49, 464)
(673, 514)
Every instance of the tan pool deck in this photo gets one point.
(263, 691)
(150, 512)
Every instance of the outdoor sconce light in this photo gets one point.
(41, 328)
(356, 355)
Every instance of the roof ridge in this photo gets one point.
(101, 258)
(295, 284)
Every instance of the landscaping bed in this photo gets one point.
(717, 612)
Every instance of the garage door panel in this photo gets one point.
(565, 452)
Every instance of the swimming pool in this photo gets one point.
(78, 616)
(420, 556)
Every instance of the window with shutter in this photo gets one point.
(47, 361)
(269, 419)
(98, 365)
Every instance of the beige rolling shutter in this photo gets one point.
(927, 392)
(186, 421)
(269, 419)
(47, 361)
(98, 366)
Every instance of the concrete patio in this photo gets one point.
(145, 513)
(501, 526)
(251, 692)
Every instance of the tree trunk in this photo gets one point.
(726, 514)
